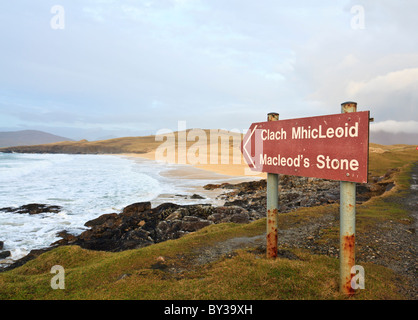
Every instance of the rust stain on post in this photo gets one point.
(348, 246)
(272, 230)
(349, 106)
(272, 116)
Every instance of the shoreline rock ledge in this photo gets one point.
(139, 225)
(33, 208)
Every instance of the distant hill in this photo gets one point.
(28, 138)
(138, 145)
(149, 144)
(388, 138)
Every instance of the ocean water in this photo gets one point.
(85, 186)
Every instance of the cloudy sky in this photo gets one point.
(104, 68)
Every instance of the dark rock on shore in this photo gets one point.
(33, 208)
(32, 255)
(5, 254)
(196, 196)
(294, 192)
(140, 225)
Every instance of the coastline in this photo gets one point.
(212, 171)
(196, 177)
(145, 224)
(191, 192)
(183, 185)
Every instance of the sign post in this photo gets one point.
(347, 223)
(272, 205)
(334, 147)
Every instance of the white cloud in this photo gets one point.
(395, 126)
(209, 61)
(402, 80)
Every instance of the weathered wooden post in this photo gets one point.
(272, 205)
(347, 223)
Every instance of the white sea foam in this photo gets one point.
(85, 186)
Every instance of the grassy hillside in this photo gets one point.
(143, 274)
(382, 157)
(118, 145)
(174, 269)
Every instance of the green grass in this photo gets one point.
(389, 206)
(244, 275)
(395, 156)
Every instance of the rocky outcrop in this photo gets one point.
(33, 208)
(32, 255)
(3, 254)
(139, 225)
(294, 192)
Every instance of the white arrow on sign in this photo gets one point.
(245, 144)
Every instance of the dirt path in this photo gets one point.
(396, 244)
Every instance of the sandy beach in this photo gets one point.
(200, 174)
(207, 170)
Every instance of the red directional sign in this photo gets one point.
(334, 147)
